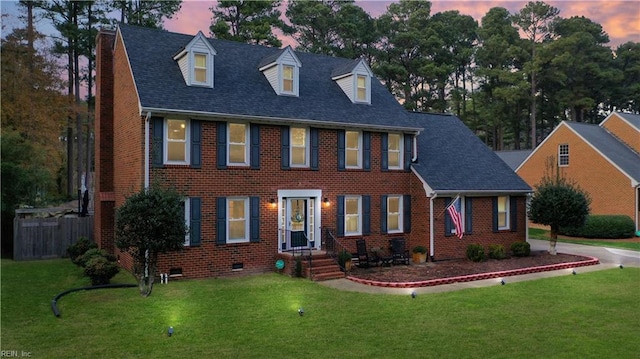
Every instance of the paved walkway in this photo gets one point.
(609, 258)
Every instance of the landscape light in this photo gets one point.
(170, 331)
(574, 272)
(301, 311)
(413, 295)
(621, 266)
(502, 282)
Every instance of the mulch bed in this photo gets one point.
(461, 267)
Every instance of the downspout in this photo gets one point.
(431, 229)
(415, 148)
(146, 150)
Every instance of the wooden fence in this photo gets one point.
(43, 238)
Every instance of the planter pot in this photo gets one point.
(419, 257)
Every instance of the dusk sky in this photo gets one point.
(620, 19)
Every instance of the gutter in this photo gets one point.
(279, 120)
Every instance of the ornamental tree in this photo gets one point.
(558, 202)
(148, 223)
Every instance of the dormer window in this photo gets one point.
(354, 79)
(200, 67)
(196, 62)
(282, 70)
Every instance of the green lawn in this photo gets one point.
(537, 233)
(591, 315)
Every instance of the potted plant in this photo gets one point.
(419, 254)
(344, 259)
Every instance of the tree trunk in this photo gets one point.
(553, 240)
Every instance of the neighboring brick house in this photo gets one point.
(271, 147)
(602, 159)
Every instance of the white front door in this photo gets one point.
(299, 219)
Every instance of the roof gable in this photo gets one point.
(197, 55)
(355, 80)
(282, 70)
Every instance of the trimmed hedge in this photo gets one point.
(602, 226)
(521, 249)
(496, 251)
(475, 252)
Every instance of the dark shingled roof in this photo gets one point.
(514, 158)
(453, 159)
(241, 90)
(617, 152)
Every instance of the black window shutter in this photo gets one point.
(340, 217)
(495, 214)
(157, 142)
(221, 145)
(194, 221)
(447, 217)
(315, 148)
(254, 210)
(406, 208)
(384, 161)
(254, 156)
(366, 215)
(341, 150)
(221, 220)
(383, 214)
(196, 144)
(468, 215)
(284, 148)
(408, 150)
(366, 150)
(513, 215)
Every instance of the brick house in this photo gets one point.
(603, 159)
(276, 149)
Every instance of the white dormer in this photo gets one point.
(355, 81)
(282, 70)
(196, 61)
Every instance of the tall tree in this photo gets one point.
(356, 32)
(314, 24)
(147, 13)
(250, 21)
(626, 96)
(402, 50)
(534, 20)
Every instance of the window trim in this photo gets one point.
(400, 214)
(247, 220)
(247, 140)
(347, 149)
(187, 141)
(562, 155)
(196, 67)
(348, 216)
(307, 147)
(506, 212)
(282, 78)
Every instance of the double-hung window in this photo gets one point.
(237, 219)
(176, 144)
(237, 142)
(353, 215)
(353, 149)
(200, 67)
(563, 155)
(361, 88)
(503, 212)
(394, 214)
(187, 219)
(299, 147)
(288, 72)
(394, 151)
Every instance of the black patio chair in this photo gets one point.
(399, 251)
(363, 255)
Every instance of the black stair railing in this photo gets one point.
(332, 246)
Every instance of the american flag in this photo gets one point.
(456, 216)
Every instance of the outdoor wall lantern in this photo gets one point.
(326, 202)
(170, 331)
(301, 311)
(272, 202)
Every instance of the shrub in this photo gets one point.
(521, 249)
(79, 248)
(100, 270)
(496, 251)
(602, 226)
(93, 252)
(475, 252)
